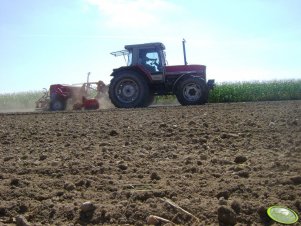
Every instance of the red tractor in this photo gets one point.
(147, 75)
(76, 96)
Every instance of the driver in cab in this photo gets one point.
(147, 63)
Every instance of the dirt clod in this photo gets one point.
(69, 186)
(296, 180)
(43, 157)
(113, 133)
(222, 201)
(262, 212)
(152, 220)
(15, 182)
(155, 176)
(8, 158)
(240, 159)
(236, 206)
(87, 207)
(122, 166)
(21, 221)
(243, 173)
(226, 215)
(225, 194)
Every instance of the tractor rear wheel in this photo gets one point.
(150, 100)
(128, 89)
(192, 91)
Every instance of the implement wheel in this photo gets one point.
(57, 105)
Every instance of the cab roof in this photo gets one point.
(146, 45)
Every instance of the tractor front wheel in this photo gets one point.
(192, 91)
(129, 90)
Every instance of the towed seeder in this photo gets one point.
(73, 97)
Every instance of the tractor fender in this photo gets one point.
(183, 76)
(138, 69)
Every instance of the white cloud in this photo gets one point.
(129, 14)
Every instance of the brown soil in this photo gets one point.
(223, 163)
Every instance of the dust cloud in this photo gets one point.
(104, 101)
(16, 108)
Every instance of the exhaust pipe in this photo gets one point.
(184, 51)
(88, 76)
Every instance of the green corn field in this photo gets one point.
(256, 91)
(19, 101)
(223, 92)
(249, 91)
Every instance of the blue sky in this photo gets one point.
(59, 41)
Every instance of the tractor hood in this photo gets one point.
(183, 69)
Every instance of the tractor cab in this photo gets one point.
(150, 55)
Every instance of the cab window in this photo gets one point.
(150, 59)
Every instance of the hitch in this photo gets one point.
(42, 104)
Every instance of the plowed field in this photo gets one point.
(223, 163)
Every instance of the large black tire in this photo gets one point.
(150, 100)
(192, 91)
(129, 89)
(57, 105)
